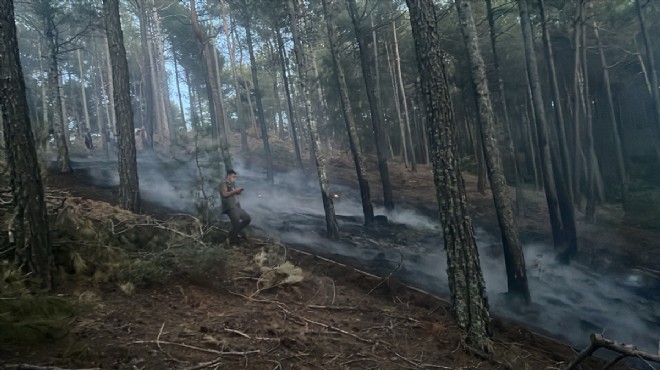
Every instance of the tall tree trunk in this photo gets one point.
(65, 115)
(650, 61)
(381, 150)
(402, 90)
(618, 147)
(55, 99)
(292, 117)
(592, 160)
(29, 225)
(379, 91)
(260, 108)
(112, 118)
(513, 254)
(279, 128)
(168, 133)
(558, 107)
(397, 106)
(212, 88)
(248, 93)
(231, 46)
(129, 189)
(321, 105)
(578, 153)
(466, 282)
(529, 122)
(194, 118)
(498, 75)
(148, 106)
(563, 225)
(43, 133)
(297, 22)
(83, 93)
(100, 123)
(178, 92)
(481, 163)
(511, 151)
(422, 118)
(217, 71)
(353, 138)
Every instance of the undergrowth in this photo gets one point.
(93, 244)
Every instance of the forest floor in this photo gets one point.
(315, 314)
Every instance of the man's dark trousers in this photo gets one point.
(239, 221)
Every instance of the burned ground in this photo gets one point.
(241, 315)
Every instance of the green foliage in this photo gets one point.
(102, 244)
(193, 262)
(29, 317)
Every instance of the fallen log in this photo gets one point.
(625, 350)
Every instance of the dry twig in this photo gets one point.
(207, 350)
(37, 367)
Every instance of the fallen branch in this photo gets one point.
(327, 326)
(336, 308)
(207, 350)
(626, 350)
(37, 367)
(384, 279)
(238, 332)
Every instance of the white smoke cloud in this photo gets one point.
(570, 302)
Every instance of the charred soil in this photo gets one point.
(252, 313)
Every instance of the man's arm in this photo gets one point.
(228, 193)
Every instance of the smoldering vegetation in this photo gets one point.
(569, 301)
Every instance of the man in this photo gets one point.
(232, 207)
(89, 142)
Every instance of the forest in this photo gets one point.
(452, 184)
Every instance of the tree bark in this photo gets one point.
(578, 154)
(381, 151)
(556, 98)
(353, 138)
(292, 117)
(29, 225)
(167, 132)
(402, 90)
(212, 87)
(563, 225)
(397, 106)
(42, 135)
(231, 46)
(129, 189)
(618, 147)
(55, 99)
(99, 89)
(332, 228)
(513, 254)
(148, 107)
(592, 160)
(279, 127)
(112, 119)
(260, 108)
(379, 90)
(178, 91)
(466, 283)
(650, 61)
(83, 93)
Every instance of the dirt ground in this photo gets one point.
(336, 317)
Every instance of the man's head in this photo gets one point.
(231, 175)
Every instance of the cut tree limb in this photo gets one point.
(626, 350)
(37, 367)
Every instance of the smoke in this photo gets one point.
(569, 302)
